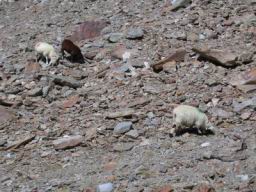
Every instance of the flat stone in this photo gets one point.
(115, 37)
(6, 115)
(219, 57)
(133, 134)
(35, 92)
(121, 147)
(122, 127)
(135, 33)
(3, 142)
(68, 142)
(203, 188)
(122, 113)
(176, 56)
(121, 52)
(246, 78)
(179, 35)
(71, 101)
(247, 103)
(166, 188)
(218, 112)
(88, 30)
(32, 67)
(66, 81)
(246, 115)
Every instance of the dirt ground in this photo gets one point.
(117, 110)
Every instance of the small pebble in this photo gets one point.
(123, 127)
(206, 144)
(106, 187)
(243, 177)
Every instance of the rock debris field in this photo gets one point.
(105, 125)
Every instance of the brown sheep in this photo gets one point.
(74, 51)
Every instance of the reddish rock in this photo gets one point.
(246, 115)
(121, 52)
(6, 115)
(110, 166)
(68, 142)
(88, 30)
(91, 54)
(166, 188)
(169, 66)
(88, 190)
(32, 67)
(110, 178)
(90, 133)
(219, 57)
(71, 101)
(246, 78)
(76, 74)
(176, 56)
(203, 188)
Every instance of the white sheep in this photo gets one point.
(185, 116)
(46, 50)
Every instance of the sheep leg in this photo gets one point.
(73, 57)
(173, 132)
(38, 57)
(176, 128)
(47, 61)
(200, 127)
(62, 53)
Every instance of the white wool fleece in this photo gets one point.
(185, 116)
(47, 51)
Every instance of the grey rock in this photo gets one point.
(151, 115)
(247, 20)
(202, 36)
(211, 82)
(2, 142)
(123, 127)
(246, 57)
(218, 112)
(45, 90)
(121, 147)
(248, 103)
(8, 68)
(207, 155)
(152, 122)
(176, 4)
(35, 92)
(137, 63)
(243, 177)
(124, 68)
(133, 134)
(66, 81)
(135, 33)
(179, 35)
(115, 37)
